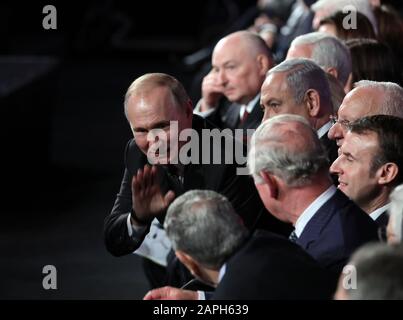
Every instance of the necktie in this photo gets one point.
(244, 116)
(293, 237)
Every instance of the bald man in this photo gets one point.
(231, 91)
(368, 98)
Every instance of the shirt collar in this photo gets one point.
(376, 213)
(310, 211)
(324, 129)
(248, 107)
(221, 273)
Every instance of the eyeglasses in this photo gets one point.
(343, 123)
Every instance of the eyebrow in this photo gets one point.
(349, 154)
(158, 125)
(263, 102)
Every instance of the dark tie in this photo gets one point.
(293, 237)
(244, 117)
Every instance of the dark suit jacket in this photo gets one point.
(226, 115)
(239, 189)
(272, 267)
(383, 219)
(332, 154)
(336, 230)
(330, 147)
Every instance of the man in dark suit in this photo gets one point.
(291, 173)
(159, 111)
(230, 92)
(218, 250)
(370, 163)
(300, 86)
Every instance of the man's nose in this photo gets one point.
(335, 168)
(222, 77)
(335, 132)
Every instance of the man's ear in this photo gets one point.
(333, 72)
(271, 183)
(387, 173)
(189, 263)
(312, 100)
(264, 64)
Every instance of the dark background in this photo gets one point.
(63, 131)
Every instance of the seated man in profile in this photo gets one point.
(370, 163)
(291, 172)
(212, 242)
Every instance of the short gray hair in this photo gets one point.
(302, 75)
(295, 157)
(379, 272)
(332, 6)
(396, 211)
(204, 225)
(327, 52)
(392, 104)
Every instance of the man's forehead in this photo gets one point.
(275, 80)
(360, 102)
(357, 143)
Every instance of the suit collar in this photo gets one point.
(319, 221)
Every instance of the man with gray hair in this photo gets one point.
(394, 229)
(374, 273)
(324, 8)
(290, 169)
(300, 86)
(211, 241)
(327, 51)
(368, 98)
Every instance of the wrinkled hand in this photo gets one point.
(211, 92)
(148, 200)
(171, 293)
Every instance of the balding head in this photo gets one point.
(368, 98)
(326, 51)
(240, 62)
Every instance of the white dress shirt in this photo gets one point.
(324, 129)
(376, 213)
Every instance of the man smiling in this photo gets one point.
(370, 163)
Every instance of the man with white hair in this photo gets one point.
(394, 229)
(324, 8)
(300, 86)
(326, 51)
(366, 99)
(290, 169)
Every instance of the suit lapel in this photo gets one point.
(319, 221)
(254, 119)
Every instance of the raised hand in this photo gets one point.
(211, 92)
(147, 197)
(171, 293)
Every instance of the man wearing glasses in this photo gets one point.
(366, 99)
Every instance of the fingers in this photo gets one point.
(170, 293)
(143, 180)
(158, 294)
(168, 198)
